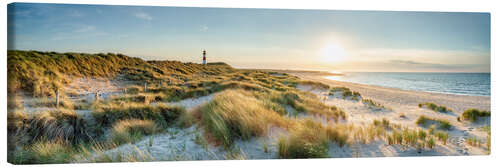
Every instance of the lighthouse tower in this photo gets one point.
(204, 58)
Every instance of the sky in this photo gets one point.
(332, 40)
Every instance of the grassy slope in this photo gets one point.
(41, 73)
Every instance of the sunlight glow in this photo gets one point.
(333, 53)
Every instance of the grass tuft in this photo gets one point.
(131, 130)
(435, 107)
(424, 121)
(473, 114)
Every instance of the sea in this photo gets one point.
(475, 84)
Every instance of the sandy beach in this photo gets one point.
(395, 96)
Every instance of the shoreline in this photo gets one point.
(396, 96)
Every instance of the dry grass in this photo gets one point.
(57, 125)
(131, 130)
(234, 114)
(309, 139)
(163, 115)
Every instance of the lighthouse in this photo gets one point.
(204, 58)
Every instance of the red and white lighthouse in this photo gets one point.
(204, 58)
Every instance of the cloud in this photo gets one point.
(204, 28)
(86, 28)
(144, 16)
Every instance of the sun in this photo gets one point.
(333, 52)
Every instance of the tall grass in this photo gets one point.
(234, 114)
(309, 139)
(57, 125)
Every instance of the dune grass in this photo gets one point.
(314, 84)
(131, 130)
(42, 73)
(57, 125)
(309, 139)
(16, 120)
(473, 141)
(373, 104)
(435, 107)
(346, 93)
(473, 114)
(43, 152)
(235, 114)
(305, 103)
(163, 115)
(425, 121)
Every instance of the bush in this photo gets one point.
(473, 114)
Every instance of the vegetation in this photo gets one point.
(245, 104)
(234, 114)
(424, 121)
(55, 125)
(310, 139)
(346, 93)
(435, 107)
(163, 115)
(132, 130)
(43, 73)
(473, 141)
(373, 104)
(473, 114)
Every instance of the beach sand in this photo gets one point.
(395, 96)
